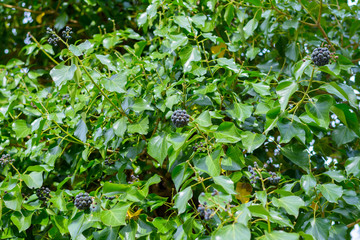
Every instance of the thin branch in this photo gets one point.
(41, 48)
(26, 9)
(320, 11)
(350, 225)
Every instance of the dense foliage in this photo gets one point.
(179, 119)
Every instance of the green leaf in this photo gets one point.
(347, 116)
(106, 60)
(250, 27)
(120, 126)
(183, 22)
(342, 135)
(116, 215)
(319, 228)
(290, 129)
(285, 90)
(111, 41)
(33, 180)
(292, 51)
(61, 223)
(61, 21)
(300, 68)
(13, 200)
(210, 163)
(188, 55)
(240, 111)
(261, 88)
(141, 105)
(281, 219)
(336, 175)
(116, 83)
(229, 64)
(330, 191)
(259, 211)
(229, 14)
(297, 154)
(227, 132)
(61, 73)
(114, 188)
(252, 52)
(75, 50)
(179, 174)
(109, 233)
(226, 183)
(177, 140)
(79, 224)
(290, 203)
(308, 183)
(158, 147)
(177, 40)
(279, 235)
(204, 119)
(81, 130)
(352, 166)
(22, 220)
(182, 198)
(252, 141)
(236, 231)
(21, 129)
(319, 111)
(142, 127)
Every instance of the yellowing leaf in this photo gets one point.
(130, 214)
(219, 48)
(39, 17)
(243, 191)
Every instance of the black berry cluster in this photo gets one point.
(110, 198)
(83, 201)
(253, 177)
(274, 178)
(53, 39)
(5, 159)
(199, 147)
(133, 178)
(215, 192)
(67, 32)
(180, 118)
(43, 193)
(108, 162)
(204, 211)
(321, 56)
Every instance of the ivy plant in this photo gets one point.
(185, 119)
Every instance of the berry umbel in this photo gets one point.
(83, 201)
(199, 147)
(180, 118)
(43, 193)
(321, 56)
(53, 39)
(67, 32)
(6, 159)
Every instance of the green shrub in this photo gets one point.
(94, 146)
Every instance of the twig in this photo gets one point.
(26, 9)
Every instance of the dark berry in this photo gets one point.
(107, 162)
(180, 118)
(43, 193)
(321, 56)
(6, 159)
(215, 192)
(83, 201)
